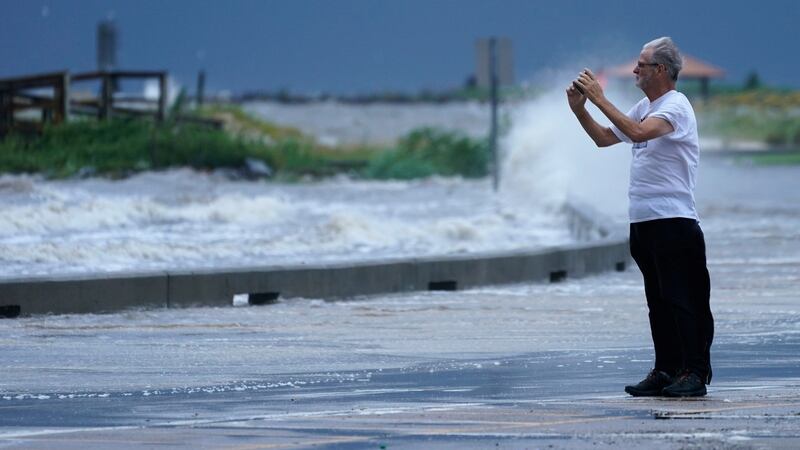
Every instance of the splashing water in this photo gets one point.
(183, 219)
(549, 158)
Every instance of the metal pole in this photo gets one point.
(493, 130)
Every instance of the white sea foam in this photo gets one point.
(185, 219)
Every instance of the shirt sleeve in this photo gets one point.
(675, 113)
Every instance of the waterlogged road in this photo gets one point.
(525, 366)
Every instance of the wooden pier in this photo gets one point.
(28, 103)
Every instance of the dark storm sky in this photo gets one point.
(348, 46)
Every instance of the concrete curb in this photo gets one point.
(605, 248)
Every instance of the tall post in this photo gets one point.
(6, 110)
(201, 87)
(162, 96)
(61, 98)
(493, 130)
(107, 96)
(107, 50)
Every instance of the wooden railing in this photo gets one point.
(15, 96)
(25, 107)
(104, 105)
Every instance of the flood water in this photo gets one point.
(184, 219)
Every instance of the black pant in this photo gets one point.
(671, 253)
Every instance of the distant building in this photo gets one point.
(505, 62)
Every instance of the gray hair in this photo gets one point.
(666, 52)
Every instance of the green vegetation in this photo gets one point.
(426, 152)
(120, 147)
(775, 129)
(764, 115)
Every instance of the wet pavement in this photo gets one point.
(529, 401)
(524, 366)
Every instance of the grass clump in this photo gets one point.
(428, 151)
(119, 147)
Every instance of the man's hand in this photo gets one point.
(590, 86)
(575, 98)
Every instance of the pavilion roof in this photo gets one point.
(692, 68)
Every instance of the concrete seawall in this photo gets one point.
(602, 246)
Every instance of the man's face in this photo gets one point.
(645, 70)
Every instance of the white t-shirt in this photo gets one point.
(664, 169)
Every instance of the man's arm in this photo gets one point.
(650, 128)
(602, 136)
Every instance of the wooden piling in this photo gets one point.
(162, 97)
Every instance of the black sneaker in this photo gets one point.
(688, 384)
(651, 386)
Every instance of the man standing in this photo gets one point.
(665, 236)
